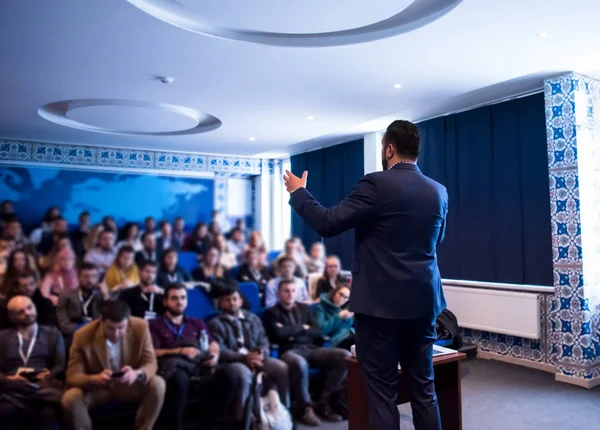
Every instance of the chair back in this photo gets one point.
(251, 291)
(200, 305)
(188, 261)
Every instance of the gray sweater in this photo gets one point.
(222, 328)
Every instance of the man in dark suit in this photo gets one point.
(399, 216)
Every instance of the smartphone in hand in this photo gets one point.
(118, 374)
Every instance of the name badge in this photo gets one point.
(149, 315)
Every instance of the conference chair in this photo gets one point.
(188, 260)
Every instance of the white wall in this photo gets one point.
(372, 152)
(239, 197)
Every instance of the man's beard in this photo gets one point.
(88, 288)
(384, 163)
(145, 283)
(27, 321)
(175, 312)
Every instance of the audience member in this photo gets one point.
(131, 237)
(28, 285)
(239, 225)
(112, 360)
(30, 354)
(148, 252)
(185, 339)
(165, 240)
(80, 232)
(91, 240)
(18, 262)
(316, 260)
(170, 271)
(227, 260)
(63, 276)
(145, 299)
(109, 223)
(293, 327)
(210, 267)
(331, 276)
(287, 267)
(257, 243)
(13, 231)
(179, 232)
(198, 241)
(79, 307)
(242, 340)
(123, 273)
(214, 229)
(6, 208)
(36, 235)
(46, 262)
(335, 322)
(6, 248)
(150, 226)
(291, 251)
(103, 255)
(236, 243)
(60, 229)
(252, 270)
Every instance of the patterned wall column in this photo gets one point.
(573, 127)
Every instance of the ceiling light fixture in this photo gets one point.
(252, 138)
(543, 35)
(397, 86)
(310, 117)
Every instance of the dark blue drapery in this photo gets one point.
(332, 174)
(494, 162)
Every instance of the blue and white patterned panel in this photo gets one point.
(573, 128)
(51, 153)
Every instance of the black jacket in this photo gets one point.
(292, 333)
(223, 330)
(178, 275)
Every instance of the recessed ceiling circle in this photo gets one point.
(57, 112)
(418, 14)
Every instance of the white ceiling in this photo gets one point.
(52, 51)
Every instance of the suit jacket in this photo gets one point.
(399, 217)
(69, 311)
(141, 257)
(89, 356)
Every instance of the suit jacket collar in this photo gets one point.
(406, 166)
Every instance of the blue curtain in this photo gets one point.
(332, 174)
(493, 161)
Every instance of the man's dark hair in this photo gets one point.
(106, 231)
(284, 260)
(404, 137)
(146, 263)
(236, 230)
(177, 218)
(172, 287)
(6, 202)
(163, 223)
(11, 218)
(145, 235)
(285, 282)
(84, 213)
(87, 266)
(125, 249)
(114, 310)
(148, 218)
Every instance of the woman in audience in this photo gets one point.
(170, 271)
(315, 263)
(331, 276)
(210, 267)
(256, 243)
(335, 322)
(228, 260)
(198, 241)
(214, 229)
(36, 235)
(91, 240)
(46, 262)
(63, 276)
(123, 273)
(254, 271)
(131, 236)
(19, 262)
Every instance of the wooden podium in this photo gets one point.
(447, 387)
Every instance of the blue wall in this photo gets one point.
(125, 196)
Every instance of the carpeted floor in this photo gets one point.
(499, 396)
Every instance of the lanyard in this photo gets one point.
(177, 333)
(85, 304)
(151, 306)
(24, 357)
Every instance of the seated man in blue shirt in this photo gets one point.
(32, 357)
(175, 334)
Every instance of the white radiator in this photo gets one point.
(505, 312)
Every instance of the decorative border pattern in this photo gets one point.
(572, 127)
(78, 155)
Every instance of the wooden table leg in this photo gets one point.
(447, 387)
(358, 408)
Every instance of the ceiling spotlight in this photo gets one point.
(397, 86)
(252, 138)
(310, 117)
(543, 35)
